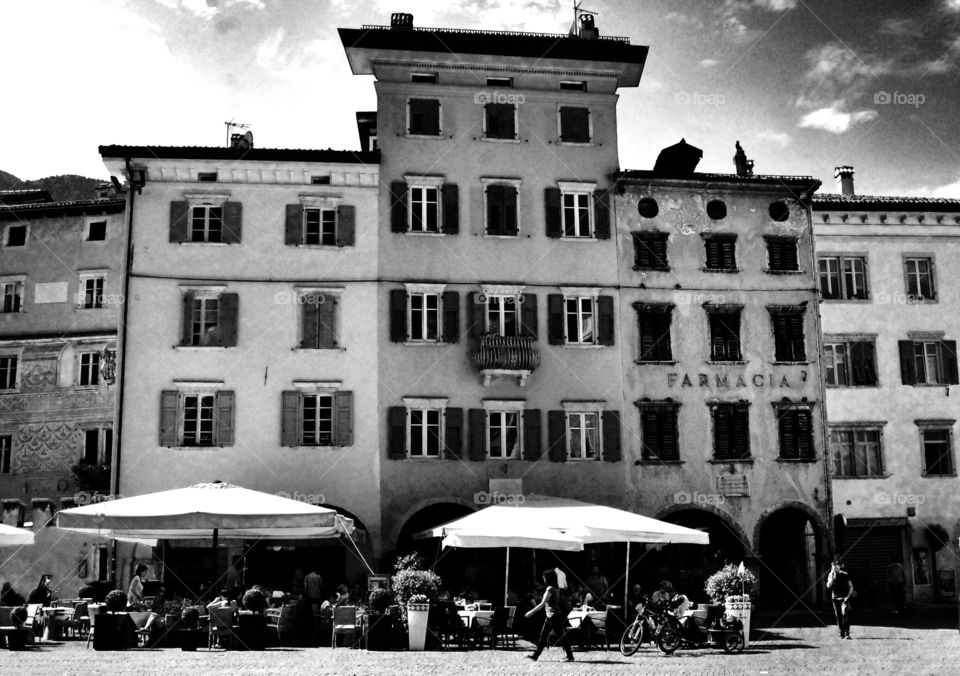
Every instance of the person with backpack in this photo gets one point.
(556, 607)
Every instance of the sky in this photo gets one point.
(804, 85)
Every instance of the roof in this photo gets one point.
(884, 203)
(40, 209)
(757, 180)
(24, 196)
(247, 155)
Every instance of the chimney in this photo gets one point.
(42, 513)
(400, 21)
(844, 176)
(12, 512)
(242, 141)
(588, 31)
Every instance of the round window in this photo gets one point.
(716, 210)
(648, 207)
(779, 211)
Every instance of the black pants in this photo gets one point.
(843, 616)
(556, 625)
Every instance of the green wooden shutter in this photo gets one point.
(293, 226)
(495, 216)
(663, 348)
(229, 310)
(908, 368)
(454, 433)
(398, 206)
(557, 436)
(346, 224)
(788, 433)
(169, 403)
(478, 434)
(179, 221)
(712, 247)
(511, 200)
(225, 403)
(607, 328)
(670, 434)
(528, 316)
(290, 418)
(555, 318)
(310, 322)
(740, 432)
(948, 348)
(326, 321)
(398, 315)
(397, 432)
(601, 214)
(232, 220)
(532, 434)
(344, 404)
(721, 432)
(477, 309)
(451, 316)
(611, 436)
(804, 434)
(186, 332)
(781, 337)
(553, 212)
(450, 196)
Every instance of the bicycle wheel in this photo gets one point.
(631, 639)
(733, 642)
(668, 638)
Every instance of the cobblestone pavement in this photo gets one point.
(873, 650)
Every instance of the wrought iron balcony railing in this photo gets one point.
(506, 356)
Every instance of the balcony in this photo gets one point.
(506, 357)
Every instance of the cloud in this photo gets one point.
(835, 119)
(709, 63)
(949, 191)
(294, 61)
(775, 5)
(952, 5)
(778, 138)
(208, 9)
(837, 72)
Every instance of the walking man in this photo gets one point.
(897, 581)
(555, 620)
(841, 590)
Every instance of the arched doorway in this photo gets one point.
(456, 567)
(791, 543)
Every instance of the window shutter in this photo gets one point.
(531, 434)
(798, 348)
(293, 228)
(721, 432)
(789, 255)
(346, 224)
(398, 315)
(863, 359)
(495, 204)
(179, 220)
(948, 348)
(169, 400)
(555, 318)
(397, 432)
(398, 207)
(344, 404)
(309, 324)
(605, 307)
(477, 308)
(601, 214)
(908, 370)
(232, 219)
(528, 315)
(641, 251)
(454, 433)
(664, 348)
(733, 341)
(713, 254)
(804, 436)
(450, 195)
(289, 418)
(510, 202)
(788, 432)
(326, 321)
(224, 421)
(611, 436)
(669, 424)
(229, 307)
(557, 436)
(775, 249)
(186, 333)
(646, 323)
(552, 209)
(478, 434)
(781, 337)
(729, 254)
(741, 432)
(451, 316)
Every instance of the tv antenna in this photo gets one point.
(231, 125)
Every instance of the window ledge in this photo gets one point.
(646, 362)
(300, 447)
(428, 137)
(654, 463)
(798, 461)
(569, 459)
(852, 387)
(203, 244)
(83, 388)
(639, 268)
(487, 236)
(939, 476)
(12, 314)
(488, 139)
(11, 391)
(861, 478)
(576, 144)
(201, 348)
(421, 458)
(334, 247)
(846, 300)
(579, 346)
(314, 350)
(730, 362)
(932, 385)
(784, 272)
(790, 363)
(565, 238)
(424, 233)
(418, 343)
(740, 461)
(729, 271)
(194, 449)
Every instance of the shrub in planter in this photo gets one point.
(255, 600)
(189, 636)
(189, 617)
(116, 601)
(728, 581)
(380, 600)
(87, 591)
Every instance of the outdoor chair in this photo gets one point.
(510, 634)
(78, 623)
(493, 627)
(223, 625)
(92, 611)
(12, 636)
(610, 627)
(34, 621)
(344, 622)
(280, 622)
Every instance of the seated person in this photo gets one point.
(588, 602)
(223, 600)
(663, 594)
(343, 596)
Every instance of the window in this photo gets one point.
(788, 338)
(424, 204)
(91, 290)
(724, 323)
(650, 251)
(425, 432)
(937, 449)
(89, 368)
(207, 176)
(8, 372)
(779, 211)
(423, 117)
(320, 221)
(583, 435)
(576, 215)
(206, 224)
(850, 363)
(716, 210)
(856, 451)
(580, 321)
(647, 207)
(320, 226)
(16, 235)
(782, 254)
(424, 319)
(920, 279)
(659, 431)
(6, 453)
(96, 231)
(928, 361)
(317, 417)
(205, 218)
(209, 319)
(196, 418)
(654, 328)
(574, 124)
(843, 277)
(504, 432)
(500, 82)
(318, 320)
(795, 431)
(424, 78)
(500, 121)
(573, 85)
(97, 445)
(720, 252)
(424, 209)
(502, 215)
(580, 316)
(12, 293)
(577, 210)
(503, 315)
(320, 180)
(424, 313)
(731, 431)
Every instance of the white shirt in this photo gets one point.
(561, 578)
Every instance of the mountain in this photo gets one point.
(61, 188)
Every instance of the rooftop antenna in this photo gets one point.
(231, 125)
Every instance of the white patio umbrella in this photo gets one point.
(15, 537)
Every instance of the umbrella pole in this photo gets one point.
(626, 583)
(506, 579)
(216, 542)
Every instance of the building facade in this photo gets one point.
(890, 368)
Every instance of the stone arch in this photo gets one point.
(727, 519)
(815, 518)
(791, 541)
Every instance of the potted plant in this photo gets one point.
(114, 630)
(87, 592)
(190, 635)
(251, 623)
(732, 586)
(418, 611)
(380, 624)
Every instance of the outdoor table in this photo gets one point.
(51, 628)
(584, 618)
(469, 619)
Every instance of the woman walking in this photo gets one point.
(555, 620)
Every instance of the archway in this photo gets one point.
(456, 567)
(791, 543)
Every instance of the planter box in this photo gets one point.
(191, 639)
(417, 616)
(741, 609)
(379, 632)
(251, 632)
(114, 631)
